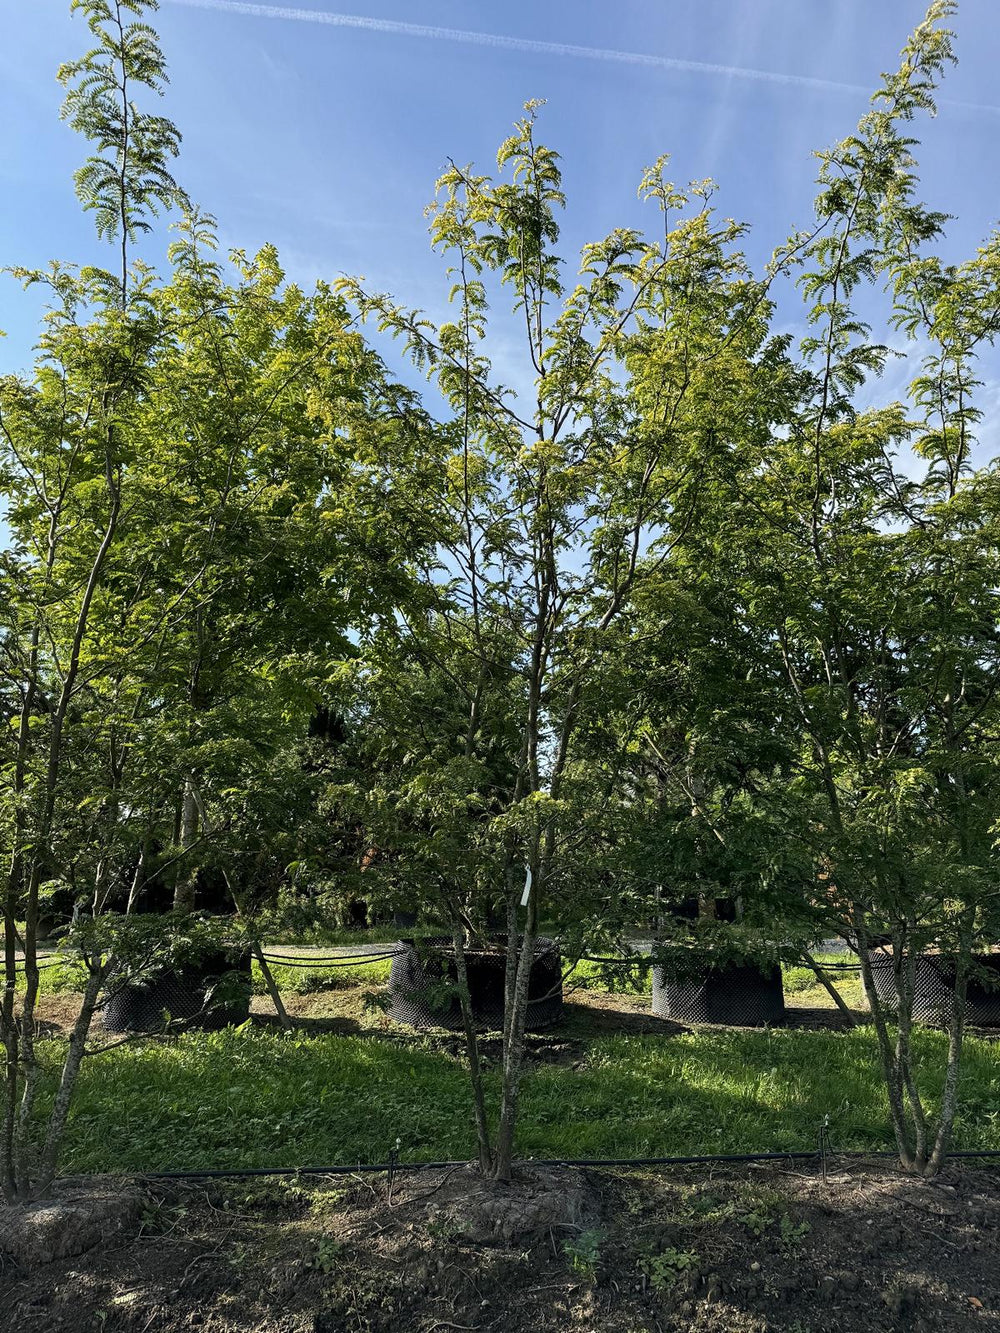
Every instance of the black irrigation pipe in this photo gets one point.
(240, 1173)
(362, 959)
(383, 951)
(355, 960)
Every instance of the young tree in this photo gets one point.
(868, 599)
(561, 503)
(208, 485)
(128, 179)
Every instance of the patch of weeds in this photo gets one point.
(664, 1269)
(635, 1196)
(326, 1253)
(327, 1201)
(159, 1217)
(758, 1208)
(317, 981)
(792, 1234)
(445, 1229)
(242, 1256)
(234, 1195)
(584, 1252)
(711, 1209)
(291, 1194)
(756, 1222)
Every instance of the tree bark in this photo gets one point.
(67, 1083)
(829, 987)
(187, 880)
(472, 1049)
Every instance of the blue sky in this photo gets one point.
(325, 137)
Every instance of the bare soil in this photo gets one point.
(343, 1008)
(750, 1249)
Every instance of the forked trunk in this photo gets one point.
(515, 1018)
(472, 1048)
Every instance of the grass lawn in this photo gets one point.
(612, 1081)
(256, 1097)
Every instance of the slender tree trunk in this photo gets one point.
(70, 1071)
(187, 881)
(9, 1036)
(829, 987)
(472, 1048)
(271, 984)
(956, 1037)
(138, 879)
(890, 1071)
(904, 974)
(256, 950)
(513, 1054)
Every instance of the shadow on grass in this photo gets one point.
(605, 1015)
(254, 1096)
(311, 1025)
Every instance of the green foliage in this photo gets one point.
(584, 1251)
(253, 1097)
(666, 1267)
(128, 178)
(694, 628)
(792, 1234)
(310, 980)
(325, 1254)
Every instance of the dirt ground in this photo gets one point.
(748, 1249)
(342, 1009)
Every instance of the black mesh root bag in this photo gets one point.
(422, 986)
(209, 994)
(732, 994)
(934, 989)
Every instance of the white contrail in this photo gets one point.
(526, 44)
(534, 47)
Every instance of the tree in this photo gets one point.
(557, 511)
(862, 608)
(208, 487)
(128, 179)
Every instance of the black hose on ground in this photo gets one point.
(593, 1162)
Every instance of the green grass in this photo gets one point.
(801, 986)
(252, 1097)
(323, 936)
(54, 978)
(305, 980)
(802, 989)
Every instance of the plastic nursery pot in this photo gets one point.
(934, 988)
(422, 994)
(186, 992)
(747, 995)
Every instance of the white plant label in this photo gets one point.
(527, 888)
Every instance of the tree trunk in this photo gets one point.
(187, 880)
(513, 1053)
(272, 989)
(904, 974)
(829, 987)
(956, 1036)
(70, 1071)
(890, 1071)
(472, 1049)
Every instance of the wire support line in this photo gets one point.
(357, 960)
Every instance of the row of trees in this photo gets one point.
(688, 623)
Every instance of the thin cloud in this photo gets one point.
(525, 44)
